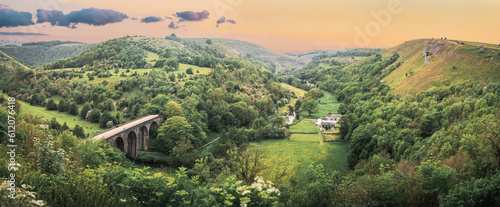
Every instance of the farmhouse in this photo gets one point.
(333, 117)
(328, 122)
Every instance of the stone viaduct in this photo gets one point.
(131, 136)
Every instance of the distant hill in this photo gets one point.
(39, 53)
(255, 52)
(190, 51)
(428, 63)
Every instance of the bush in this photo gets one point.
(48, 159)
(51, 105)
(189, 71)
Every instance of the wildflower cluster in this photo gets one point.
(24, 196)
(259, 193)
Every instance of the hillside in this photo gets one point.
(39, 53)
(189, 51)
(428, 63)
(234, 48)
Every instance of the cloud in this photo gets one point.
(12, 18)
(224, 20)
(22, 34)
(151, 19)
(91, 16)
(3, 6)
(167, 17)
(192, 16)
(172, 25)
(52, 16)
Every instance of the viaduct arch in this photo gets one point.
(131, 136)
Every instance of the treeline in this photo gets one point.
(107, 55)
(437, 148)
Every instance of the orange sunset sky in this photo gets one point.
(283, 25)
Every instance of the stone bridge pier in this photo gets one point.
(131, 136)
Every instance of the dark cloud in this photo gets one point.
(134, 18)
(91, 16)
(224, 20)
(192, 16)
(52, 16)
(12, 18)
(22, 34)
(151, 19)
(167, 17)
(172, 25)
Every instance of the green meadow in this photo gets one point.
(71, 121)
(294, 155)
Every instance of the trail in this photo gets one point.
(208, 143)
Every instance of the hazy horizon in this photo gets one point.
(285, 26)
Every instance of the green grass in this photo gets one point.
(304, 125)
(298, 92)
(152, 57)
(288, 157)
(71, 121)
(414, 75)
(196, 70)
(326, 104)
(295, 155)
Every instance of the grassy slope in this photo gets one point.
(39, 55)
(9, 62)
(71, 121)
(298, 92)
(236, 47)
(470, 65)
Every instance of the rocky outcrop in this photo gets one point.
(432, 49)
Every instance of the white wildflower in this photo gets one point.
(246, 192)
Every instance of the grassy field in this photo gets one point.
(304, 125)
(71, 121)
(196, 70)
(326, 104)
(295, 155)
(298, 92)
(288, 157)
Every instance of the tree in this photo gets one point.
(309, 106)
(64, 127)
(51, 105)
(105, 118)
(86, 108)
(95, 115)
(250, 165)
(53, 124)
(62, 106)
(189, 71)
(73, 109)
(48, 158)
(298, 104)
(172, 109)
(184, 153)
(79, 132)
(172, 130)
(209, 41)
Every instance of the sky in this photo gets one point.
(284, 25)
